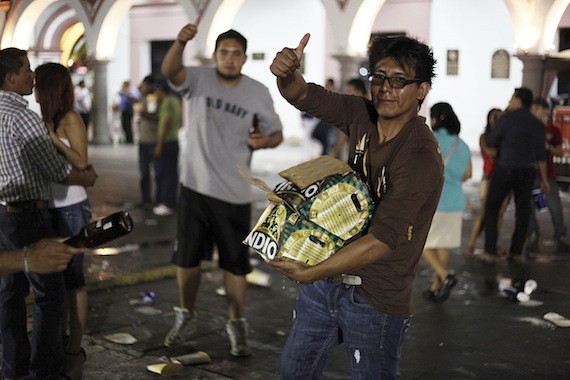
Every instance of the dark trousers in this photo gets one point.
(503, 181)
(43, 358)
(147, 163)
(167, 174)
(85, 117)
(127, 124)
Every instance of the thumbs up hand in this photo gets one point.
(288, 60)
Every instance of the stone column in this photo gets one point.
(100, 111)
(533, 71)
(349, 66)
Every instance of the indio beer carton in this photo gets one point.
(321, 205)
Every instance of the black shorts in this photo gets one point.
(203, 221)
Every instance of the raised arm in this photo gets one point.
(286, 63)
(172, 67)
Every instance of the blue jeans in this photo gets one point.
(68, 221)
(327, 315)
(554, 208)
(42, 359)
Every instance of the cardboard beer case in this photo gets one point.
(322, 204)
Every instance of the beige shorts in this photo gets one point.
(445, 230)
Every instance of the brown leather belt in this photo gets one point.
(23, 205)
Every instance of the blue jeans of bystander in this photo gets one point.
(68, 221)
(327, 315)
(42, 359)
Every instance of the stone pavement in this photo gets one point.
(476, 334)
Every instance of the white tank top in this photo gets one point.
(64, 195)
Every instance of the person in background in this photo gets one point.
(82, 102)
(519, 138)
(368, 283)
(214, 202)
(148, 132)
(354, 86)
(29, 163)
(70, 206)
(166, 149)
(323, 132)
(540, 109)
(488, 154)
(445, 230)
(127, 98)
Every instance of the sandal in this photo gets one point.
(73, 365)
(469, 251)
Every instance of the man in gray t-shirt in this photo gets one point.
(214, 205)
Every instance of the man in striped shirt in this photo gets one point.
(29, 162)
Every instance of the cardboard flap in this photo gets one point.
(309, 172)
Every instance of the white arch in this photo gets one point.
(109, 24)
(52, 28)
(361, 28)
(552, 22)
(222, 21)
(21, 33)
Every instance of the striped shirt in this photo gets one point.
(29, 161)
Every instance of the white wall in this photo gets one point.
(485, 26)
(269, 26)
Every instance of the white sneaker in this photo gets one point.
(162, 210)
(238, 331)
(185, 325)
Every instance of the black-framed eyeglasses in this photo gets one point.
(395, 82)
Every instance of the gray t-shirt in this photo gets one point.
(218, 129)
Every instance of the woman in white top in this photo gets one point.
(70, 205)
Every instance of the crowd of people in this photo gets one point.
(415, 172)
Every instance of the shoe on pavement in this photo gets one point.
(442, 294)
(486, 258)
(162, 210)
(185, 325)
(532, 243)
(238, 332)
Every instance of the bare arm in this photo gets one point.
(172, 67)
(544, 185)
(468, 172)
(74, 130)
(490, 151)
(357, 254)
(290, 81)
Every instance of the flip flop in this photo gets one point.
(557, 319)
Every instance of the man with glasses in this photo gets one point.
(397, 155)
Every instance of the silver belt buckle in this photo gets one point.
(350, 279)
